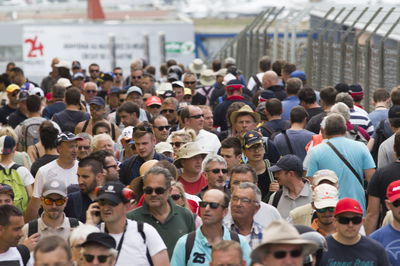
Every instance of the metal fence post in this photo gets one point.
(146, 47)
(265, 32)
(113, 51)
(163, 53)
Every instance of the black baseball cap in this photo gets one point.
(251, 138)
(67, 136)
(289, 162)
(394, 111)
(111, 191)
(100, 238)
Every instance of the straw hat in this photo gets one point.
(282, 232)
(245, 109)
(197, 66)
(188, 151)
(207, 77)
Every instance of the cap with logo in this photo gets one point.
(325, 195)
(134, 89)
(348, 205)
(168, 93)
(6, 189)
(54, 186)
(324, 174)
(108, 76)
(112, 191)
(67, 136)
(127, 133)
(251, 138)
(393, 191)
(7, 144)
(99, 101)
(289, 162)
(100, 238)
(153, 100)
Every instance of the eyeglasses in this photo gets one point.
(396, 203)
(90, 91)
(118, 74)
(190, 82)
(83, 147)
(58, 202)
(101, 258)
(281, 254)
(94, 70)
(104, 202)
(176, 196)
(115, 166)
(157, 190)
(196, 116)
(213, 205)
(177, 144)
(347, 220)
(244, 200)
(323, 210)
(155, 106)
(167, 111)
(136, 77)
(217, 171)
(161, 128)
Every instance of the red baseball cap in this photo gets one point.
(393, 191)
(348, 205)
(153, 100)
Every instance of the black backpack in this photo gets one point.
(380, 137)
(258, 85)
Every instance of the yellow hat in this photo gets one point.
(187, 91)
(12, 87)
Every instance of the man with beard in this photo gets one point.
(90, 175)
(53, 221)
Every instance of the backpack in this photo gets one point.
(141, 232)
(191, 238)
(33, 226)
(355, 134)
(277, 197)
(30, 134)
(25, 254)
(12, 178)
(258, 85)
(272, 132)
(380, 137)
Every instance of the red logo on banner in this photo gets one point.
(36, 47)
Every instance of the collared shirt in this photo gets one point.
(255, 236)
(201, 251)
(64, 230)
(179, 222)
(287, 203)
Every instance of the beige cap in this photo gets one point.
(325, 195)
(187, 151)
(207, 77)
(162, 147)
(324, 174)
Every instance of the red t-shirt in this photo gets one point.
(195, 187)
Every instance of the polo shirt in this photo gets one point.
(287, 203)
(201, 251)
(287, 106)
(179, 222)
(77, 205)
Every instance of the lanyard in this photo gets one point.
(119, 247)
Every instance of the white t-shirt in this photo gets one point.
(23, 172)
(13, 258)
(133, 249)
(53, 171)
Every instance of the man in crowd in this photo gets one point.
(274, 123)
(270, 82)
(84, 145)
(213, 208)
(347, 246)
(170, 220)
(99, 248)
(293, 85)
(231, 151)
(308, 99)
(161, 128)
(169, 109)
(12, 95)
(227, 252)
(52, 250)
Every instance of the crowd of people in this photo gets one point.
(196, 165)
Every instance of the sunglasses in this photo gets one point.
(177, 144)
(167, 111)
(104, 202)
(90, 91)
(94, 70)
(58, 202)
(196, 116)
(161, 128)
(346, 220)
(190, 82)
(118, 74)
(101, 258)
(176, 196)
(396, 203)
(155, 106)
(213, 205)
(323, 210)
(157, 190)
(136, 77)
(83, 147)
(217, 171)
(281, 254)
(121, 100)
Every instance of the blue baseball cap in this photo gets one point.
(98, 101)
(289, 162)
(115, 90)
(7, 144)
(298, 74)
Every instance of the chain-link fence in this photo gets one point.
(341, 44)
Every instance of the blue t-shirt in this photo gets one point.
(356, 153)
(287, 106)
(377, 116)
(201, 252)
(366, 252)
(390, 239)
(298, 140)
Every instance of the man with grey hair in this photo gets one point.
(245, 203)
(159, 210)
(215, 170)
(84, 145)
(293, 85)
(89, 92)
(350, 159)
(103, 142)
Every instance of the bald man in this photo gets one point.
(270, 81)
